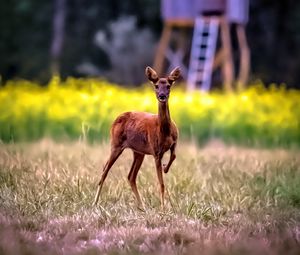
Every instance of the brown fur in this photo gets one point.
(145, 133)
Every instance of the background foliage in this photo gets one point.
(26, 35)
(86, 108)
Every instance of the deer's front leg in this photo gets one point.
(161, 180)
(172, 158)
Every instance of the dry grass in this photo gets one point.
(221, 200)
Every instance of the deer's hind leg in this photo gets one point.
(115, 153)
(136, 165)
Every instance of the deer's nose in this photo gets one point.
(162, 97)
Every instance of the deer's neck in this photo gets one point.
(164, 118)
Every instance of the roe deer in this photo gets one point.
(145, 133)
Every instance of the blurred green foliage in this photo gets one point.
(85, 108)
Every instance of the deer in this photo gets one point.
(145, 134)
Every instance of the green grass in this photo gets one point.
(220, 200)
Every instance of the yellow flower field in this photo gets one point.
(85, 108)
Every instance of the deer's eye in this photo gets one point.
(156, 86)
(168, 86)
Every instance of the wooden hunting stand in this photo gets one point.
(209, 18)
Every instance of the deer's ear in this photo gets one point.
(151, 74)
(174, 75)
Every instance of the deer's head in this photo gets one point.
(162, 86)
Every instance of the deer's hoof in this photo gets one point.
(165, 169)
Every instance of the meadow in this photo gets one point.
(85, 109)
(233, 189)
(220, 200)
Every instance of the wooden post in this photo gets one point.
(162, 47)
(166, 38)
(244, 57)
(227, 67)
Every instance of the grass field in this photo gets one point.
(220, 200)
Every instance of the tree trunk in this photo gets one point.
(58, 35)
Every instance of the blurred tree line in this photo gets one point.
(97, 39)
